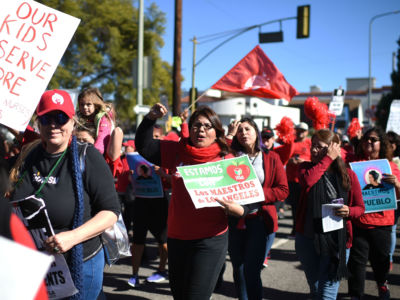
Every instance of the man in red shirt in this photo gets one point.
(301, 153)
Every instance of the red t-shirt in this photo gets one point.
(122, 176)
(185, 222)
(285, 152)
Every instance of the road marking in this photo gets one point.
(279, 242)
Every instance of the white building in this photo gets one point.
(269, 112)
(265, 112)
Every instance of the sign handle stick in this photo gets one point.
(333, 123)
(194, 102)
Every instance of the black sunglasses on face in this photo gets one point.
(59, 119)
(372, 139)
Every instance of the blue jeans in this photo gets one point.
(270, 242)
(316, 269)
(393, 235)
(93, 276)
(393, 242)
(247, 252)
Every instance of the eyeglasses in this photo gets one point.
(318, 147)
(207, 126)
(372, 139)
(59, 119)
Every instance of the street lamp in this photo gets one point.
(369, 53)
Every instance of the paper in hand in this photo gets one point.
(330, 221)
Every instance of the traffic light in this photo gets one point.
(303, 21)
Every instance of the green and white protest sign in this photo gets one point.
(228, 179)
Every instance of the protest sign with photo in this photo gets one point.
(146, 182)
(377, 195)
(33, 38)
(229, 179)
(32, 211)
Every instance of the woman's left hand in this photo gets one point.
(61, 242)
(231, 208)
(232, 129)
(343, 211)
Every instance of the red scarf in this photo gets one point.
(192, 155)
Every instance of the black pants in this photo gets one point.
(293, 200)
(150, 214)
(194, 266)
(372, 244)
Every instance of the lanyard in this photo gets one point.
(51, 172)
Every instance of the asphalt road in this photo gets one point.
(283, 279)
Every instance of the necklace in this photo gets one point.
(252, 159)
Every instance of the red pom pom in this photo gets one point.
(285, 130)
(318, 112)
(354, 127)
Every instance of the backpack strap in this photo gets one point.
(82, 155)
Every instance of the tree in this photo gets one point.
(383, 108)
(103, 48)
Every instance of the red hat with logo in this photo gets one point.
(55, 100)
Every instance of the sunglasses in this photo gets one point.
(59, 119)
(318, 147)
(372, 139)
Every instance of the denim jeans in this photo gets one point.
(247, 252)
(93, 276)
(393, 239)
(316, 269)
(270, 241)
(393, 242)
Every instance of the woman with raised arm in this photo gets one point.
(197, 238)
(326, 180)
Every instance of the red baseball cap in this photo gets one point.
(55, 100)
(130, 143)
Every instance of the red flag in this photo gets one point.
(256, 75)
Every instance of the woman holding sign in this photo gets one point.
(80, 204)
(372, 231)
(197, 238)
(250, 234)
(325, 181)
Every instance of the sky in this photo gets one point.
(336, 49)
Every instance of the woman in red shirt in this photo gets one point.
(372, 231)
(197, 238)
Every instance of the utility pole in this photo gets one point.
(193, 91)
(176, 80)
(140, 63)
